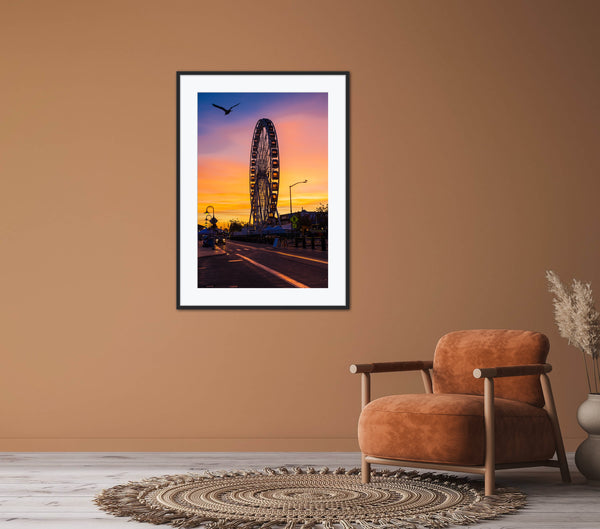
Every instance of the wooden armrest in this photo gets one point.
(388, 367)
(512, 371)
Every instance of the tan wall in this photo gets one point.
(474, 168)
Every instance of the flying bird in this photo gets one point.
(226, 110)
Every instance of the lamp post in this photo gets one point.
(301, 182)
(292, 224)
(206, 220)
(214, 224)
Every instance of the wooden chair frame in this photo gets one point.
(488, 374)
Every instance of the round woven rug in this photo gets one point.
(302, 498)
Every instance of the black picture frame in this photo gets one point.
(192, 83)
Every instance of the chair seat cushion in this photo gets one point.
(449, 428)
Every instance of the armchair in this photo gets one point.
(488, 406)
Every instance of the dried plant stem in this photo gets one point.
(587, 373)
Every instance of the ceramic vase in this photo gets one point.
(587, 457)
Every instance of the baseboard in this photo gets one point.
(195, 445)
(179, 445)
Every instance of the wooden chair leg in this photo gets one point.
(490, 437)
(558, 440)
(365, 473)
(365, 398)
(490, 481)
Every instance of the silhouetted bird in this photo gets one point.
(226, 110)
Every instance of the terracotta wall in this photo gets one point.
(474, 168)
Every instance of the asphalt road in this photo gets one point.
(250, 265)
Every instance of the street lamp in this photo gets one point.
(212, 221)
(302, 182)
(206, 220)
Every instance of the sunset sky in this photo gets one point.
(224, 150)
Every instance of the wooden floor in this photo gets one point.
(55, 490)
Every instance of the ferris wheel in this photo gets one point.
(264, 175)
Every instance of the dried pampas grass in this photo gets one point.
(578, 321)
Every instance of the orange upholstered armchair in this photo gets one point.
(488, 406)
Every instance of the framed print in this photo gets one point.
(262, 190)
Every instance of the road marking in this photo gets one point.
(285, 253)
(300, 257)
(234, 260)
(248, 247)
(275, 273)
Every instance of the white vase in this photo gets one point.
(587, 457)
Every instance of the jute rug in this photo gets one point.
(298, 498)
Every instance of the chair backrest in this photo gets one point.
(458, 353)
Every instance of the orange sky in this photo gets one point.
(224, 151)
